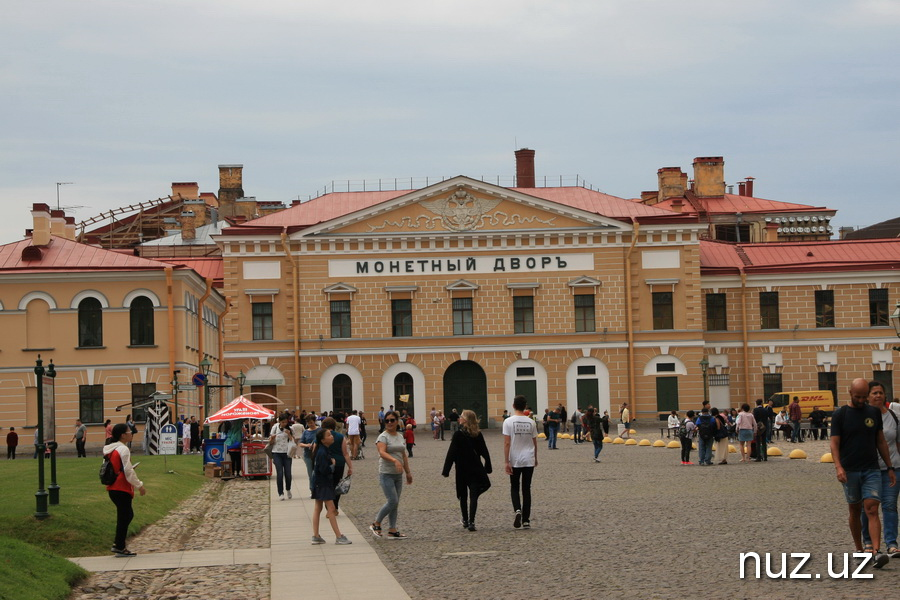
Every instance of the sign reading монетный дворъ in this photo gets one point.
(469, 265)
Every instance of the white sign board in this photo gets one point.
(442, 265)
(168, 439)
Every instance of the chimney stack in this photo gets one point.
(709, 176)
(672, 183)
(40, 235)
(525, 168)
(231, 187)
(742, 188)
(70, 229)
(188, 190)
(58, 223)
(188, 226)
(749, 186)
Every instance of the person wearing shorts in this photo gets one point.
(857, 439)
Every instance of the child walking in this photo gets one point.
(410, 436)
(323, 492)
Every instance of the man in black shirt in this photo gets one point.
(856, 441)
(817, 422)
(762, 417)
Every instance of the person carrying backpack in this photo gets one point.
(686, 433)
(121, 491)
(706, 429)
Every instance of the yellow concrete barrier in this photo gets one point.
(618, 440)
(827, 458)
(607, 440)
(631, 442)
(774, 451)
(659, 444)
(674, 444)
(644, 443)
(797, 453)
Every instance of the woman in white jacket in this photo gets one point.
(121, 492)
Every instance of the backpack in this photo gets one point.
(108, 473)
(682, 430)
(707, 427)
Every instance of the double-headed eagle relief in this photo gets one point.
(460, 211)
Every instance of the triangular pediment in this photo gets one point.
(463, 205)
(462, 285)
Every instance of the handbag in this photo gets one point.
(268, 449)
(343, 486)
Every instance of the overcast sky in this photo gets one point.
(123, 98)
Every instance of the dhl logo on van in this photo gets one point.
(813, 398)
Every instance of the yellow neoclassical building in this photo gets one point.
(464, 293)
(118, 328)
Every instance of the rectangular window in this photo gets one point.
(768, 310)
(90, 403)
(878, 308)
(771, 384)
(462, 316)
(140, 393)
(524, 371)
(828, 381)
(401, 318)
(663, 317)
(584, 313)
(262, 320)
(824, 308)
(715, 313)
(718, 379)
(523, 314)
(340, 318)
(587, 370)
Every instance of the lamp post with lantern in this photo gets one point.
(895, 321)
(205, 367)
(704, 367)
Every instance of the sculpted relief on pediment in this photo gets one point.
(460, 211)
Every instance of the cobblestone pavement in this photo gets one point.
(221, 515)
(637, 524)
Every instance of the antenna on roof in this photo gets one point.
(59, 183)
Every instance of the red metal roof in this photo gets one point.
(208, 267)
(731, 203)
(776, 257)
(65, 255)
(338, 204)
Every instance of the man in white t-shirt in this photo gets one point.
(520, 452)
(353, 433)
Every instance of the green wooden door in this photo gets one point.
(588, 393)
(666, 394)
(528, 388)
(465, 387)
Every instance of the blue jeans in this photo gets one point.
(795, 431)
(888, 513)
(391, 485)
(598, 446)
(705, 449)
(551, 436)
(576, 428)
(309, 472)
(282, 471)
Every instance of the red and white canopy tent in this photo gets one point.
(241, 408)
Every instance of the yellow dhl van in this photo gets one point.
(824, 399)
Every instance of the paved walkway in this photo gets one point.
(294, 563)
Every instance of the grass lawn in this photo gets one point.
(82, 524)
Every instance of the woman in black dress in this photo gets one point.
(467, 449)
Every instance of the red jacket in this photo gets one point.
(794, 411)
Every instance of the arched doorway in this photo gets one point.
(465, 387)
(403, 393)
(342, 393)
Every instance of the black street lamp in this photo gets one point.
(53, 488)
(895, 321)
(41, 495)
(205, 366)
(241, 378)
(704, 367)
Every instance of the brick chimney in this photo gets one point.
(672, 183)
(188, 226)
(709, 176)
(525, 168)
(40, 234)
(70, 228)
(188, 190)
(749, 185)
(231, 187)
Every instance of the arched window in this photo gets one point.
(90, 323)
(342, 393)
(403, 392)
(141, 314)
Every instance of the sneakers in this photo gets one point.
(464, 523)
(596, 460)
(342, 541)
(518, 520)
(879, 560)
(526, 524)
(471, 526)
(289, 494)
(395, 535)
(281, 497)
(317, 539)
